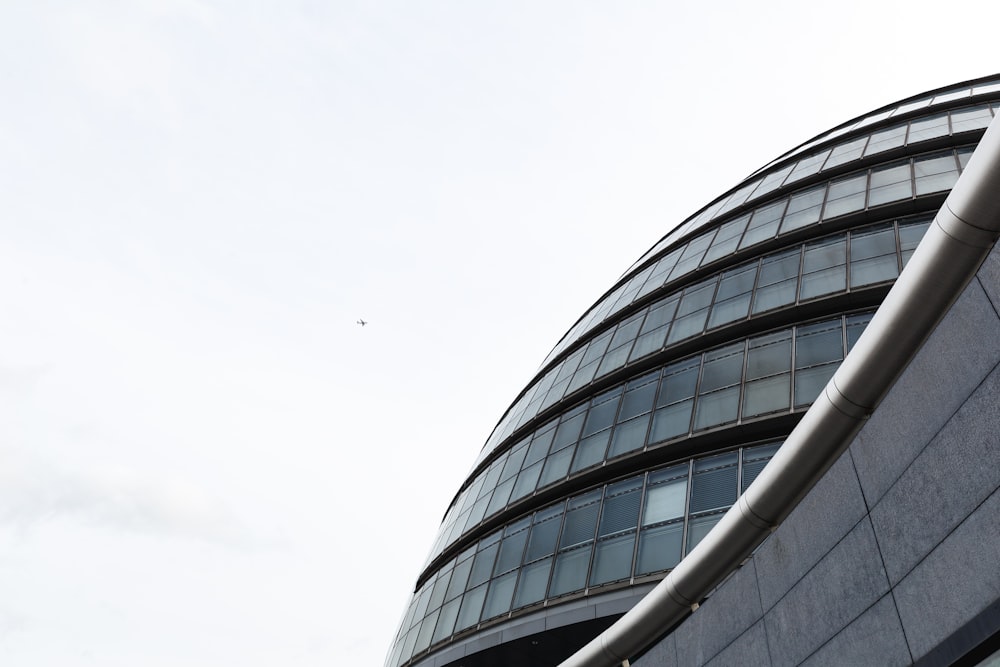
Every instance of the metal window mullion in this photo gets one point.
(687, 507)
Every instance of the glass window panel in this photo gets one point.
(660, 314)
(723, 367)
(928, 128)
(873, 256)
(754, 460)
(544, 532)
(810, 382)
(716, 408)
(613, 559)
(726, 240)
(699, 527)
(482, 566)
(472, 605)
(773, 180)
(845, 196)
(500, 497)
(639, 397)
(965, 120)
(909, 238)
(803, 209)
(769, 355)
(620, 511)
(665, 502)
(531, 586)
(513, 461)
(954, 95)
(697, 298)
(426, 628)
(692, 255)
(714, 483)
(885, 139)
(911, 106)
(778, 281)
(446, 620)
(556, 466)
(626, 331)
(590, 451)
(679, 381)
(730, 310)
(629, 436)
(659, 276)
(570, 572)
(614, 359)
(818, 343)
(890, 184)
(569, 430)
(526, 481)
(581, 521)
(540, 443)
(856, 325)
(511, 550)
(764, 224)
(602, 414)
(808, 166)
(597, 348)
(935, 174)
(440, 587)
(659, 548)
(648, 343)
(846, 152)
(767, 395)
(671, 421)
(738, 198)
(498, 598)
(823, 267)
(963, 156)
(687, 326)
(738, 281)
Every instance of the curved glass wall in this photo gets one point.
(639, 526)
(852, 193)
(777, 372)
(730, 325)
(822, 268)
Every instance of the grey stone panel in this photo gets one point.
(820, 521)
(958, 355)
(989, 276)
(874, 639)
(952, 585)
(733, 608)
(749, 649)
(839, 589)
(662, 654)
(951, 477)
(559, 616)
(530, 627)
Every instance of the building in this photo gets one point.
(668, 397)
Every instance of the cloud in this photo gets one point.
(117, 498)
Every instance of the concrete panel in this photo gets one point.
(951, 477)
(662, 654)
(874, 639)
(848, 581)
(952, 585)
(820, 521)
(989, 277)
(750, 648)
(959, 354)
(726, 615)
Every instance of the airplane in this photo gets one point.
(362, 322)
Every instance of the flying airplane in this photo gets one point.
(362, 322)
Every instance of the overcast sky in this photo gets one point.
(204, 460)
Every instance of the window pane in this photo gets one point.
(629, 436)
(803, 209)
(928, 128)
(613, 559)
(823, 267)
(679, 381)
(935, 174)
(723, 367)
(671, 421)
(446, 620)
(665, 501)
(726, 240)
(638, 398)
(590, 451)
(699, 527)
(845, 196)
(556, 466)
(890, 184)
(763, 224)
(965, 120)
(767, 395)
(716, 408)
(570, 572)
(873, 256)
(714, 483)
(659, 548)
(769, 355)
(846, 152)
(818, 343)
(534, 579)
(810, 382)
(499, 596)
(472, 605)
(885, 139)
(544, 533)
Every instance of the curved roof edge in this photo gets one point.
(964, 231)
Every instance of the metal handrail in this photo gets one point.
(947, 258)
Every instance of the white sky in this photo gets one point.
(203, 459)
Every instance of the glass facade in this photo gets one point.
(666, 399)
